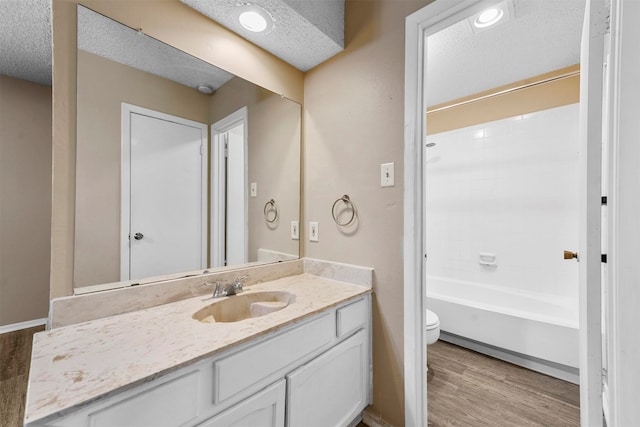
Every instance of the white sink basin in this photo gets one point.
(246, 306)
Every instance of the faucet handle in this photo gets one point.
(219, 291)
(239, 279)
(237, 283)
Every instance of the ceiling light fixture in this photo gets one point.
(205, 88)
(488, 17)
(254, 18)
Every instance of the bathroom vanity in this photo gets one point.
(307, 363)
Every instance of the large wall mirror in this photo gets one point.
(171, 180)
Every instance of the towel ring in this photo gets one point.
(350, 205)
(271, 206)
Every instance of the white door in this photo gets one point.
(229, 220)
(166, 178)
(590, 239)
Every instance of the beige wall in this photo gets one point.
(273, 160)
(102, 86)
(171, 22)
(353, 122)
(25, 200)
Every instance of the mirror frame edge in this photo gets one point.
(281, 78)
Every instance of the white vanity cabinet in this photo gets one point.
(331, 390)
(264, 409)
(316, 370)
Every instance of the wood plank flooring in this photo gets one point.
(466, 388)
(15, 356)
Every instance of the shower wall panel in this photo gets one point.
(506, 193)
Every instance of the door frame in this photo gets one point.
(125, 180)
(217, 236)
(428, 20)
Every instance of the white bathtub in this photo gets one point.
(535, 325)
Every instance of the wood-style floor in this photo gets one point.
(466, 388)
(15, 356)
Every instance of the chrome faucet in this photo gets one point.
(229, 288)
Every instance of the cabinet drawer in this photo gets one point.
(248, 367)
(351, 318)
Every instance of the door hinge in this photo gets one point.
(202, 149)
(603, 258)
(226, 149)
(603, 200)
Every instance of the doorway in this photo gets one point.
(430, 20)
(229, 223)
(164, 193)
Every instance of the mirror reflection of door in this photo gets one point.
(162, 226)
(229, 246)
(235, 191)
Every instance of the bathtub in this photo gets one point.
(534, 325)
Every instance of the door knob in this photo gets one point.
(570, 255)
(138, 236)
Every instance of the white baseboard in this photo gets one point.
(22, 325)
(373, 420)
(556, 370)
(355, 421)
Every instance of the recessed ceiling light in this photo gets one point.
(488, 17)
(254, 18)
(253, 21)
(486, 20)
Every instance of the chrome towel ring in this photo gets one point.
(348, 205)
(271, 208)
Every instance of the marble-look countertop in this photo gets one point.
(74, 365)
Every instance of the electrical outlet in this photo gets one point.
(254, 189)
(313, 231)
(295, 233)
(387, 178)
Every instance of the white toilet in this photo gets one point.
(433, 327)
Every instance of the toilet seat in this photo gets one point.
(432, 320)
(432, 327)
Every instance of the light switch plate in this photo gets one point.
(387, 178)
(313, 231)
(295, 232)
(254, 189)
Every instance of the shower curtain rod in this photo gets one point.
(506, 91)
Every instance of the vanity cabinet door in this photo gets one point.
(331, 390)
(263, 409)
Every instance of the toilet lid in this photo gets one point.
(432, 320)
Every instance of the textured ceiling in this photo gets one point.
(305, 33)
(543, 36)
(110, 39)
(25, 40)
